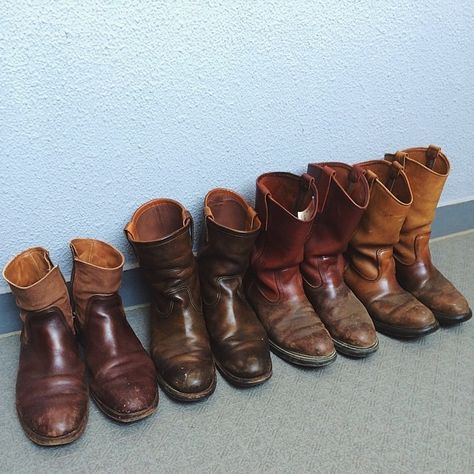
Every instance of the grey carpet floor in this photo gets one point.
(408, 408)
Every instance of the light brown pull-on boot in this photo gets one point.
(161, 234)
(51, 390)
(371, 270)
(122, 375)
(427, 170)
(238, 340)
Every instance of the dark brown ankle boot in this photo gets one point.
(238, 340)
(286, 205)
(427, 170)
(160, 233)
(51, 390)
(371, 270)
(343, 196)
(122, 375)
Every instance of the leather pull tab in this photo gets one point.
(371, 177)
(188, 220)
(432, 152)
(306, 183)
(355, 175)
(323, 185)
(398, 156)
(395, 170)
(252, 215)
(208, 212)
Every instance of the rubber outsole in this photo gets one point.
(447, 320)
(355, 351)
(187, 397)
(403, 332)
(302, 359)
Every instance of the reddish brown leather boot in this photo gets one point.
(343, 196)
(286, 205)
(51, 390)
(427, 170)
(160, 233)
(371, 270)
(122, 375)
(238, 340)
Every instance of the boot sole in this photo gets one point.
(446, 320)
(355, 351)
(302, 359)
(186, 397)
(125, 417)
(68, 438)
(405, 333)
(242, 381)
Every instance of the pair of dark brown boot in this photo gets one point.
(52, 392)
(199, 314)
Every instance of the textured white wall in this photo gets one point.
(104, 105)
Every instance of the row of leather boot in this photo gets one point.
(325, 259)
(52, 390)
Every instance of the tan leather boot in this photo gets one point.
(427, 170)
(238, 340)
(286, 205)
(51, 390)
(371, 270)
(160, 233)
(343, 197)
(122, 375)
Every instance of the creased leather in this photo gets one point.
(371, 270)
(238, 339)
(274, 284)
(122, 375)
(427, 170)
(51, 390)
(179, 341)
(346, 195)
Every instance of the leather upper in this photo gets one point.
(238, 339)
(160, 233)
(286, 205)
(371, 270)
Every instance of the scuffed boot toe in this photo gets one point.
(189, 383)
(55, 424)
(247, 366)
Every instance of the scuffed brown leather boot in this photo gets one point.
(371, 270)
(51, 390)
(160, 233)
(122, 375)
(427, 170)
(238, 340)
(343, 196)
(286, 205)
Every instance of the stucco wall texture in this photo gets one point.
(105, 105)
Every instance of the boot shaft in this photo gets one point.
(380, 226)
(427, 170)
(231, 228)
(287, 205)
(160, 233)
(343, 196)
(37, 284)
(97, 270)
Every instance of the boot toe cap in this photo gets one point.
(249, 363)
(191, 380)
(55, 420)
